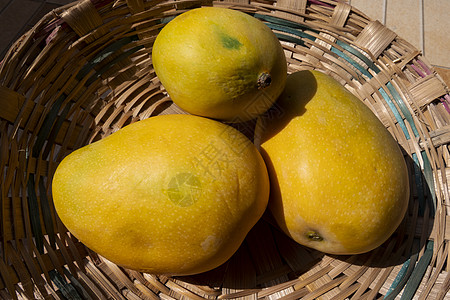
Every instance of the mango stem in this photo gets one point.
(314, 236)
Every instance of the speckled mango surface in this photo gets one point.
(339, 180)
(172, 194)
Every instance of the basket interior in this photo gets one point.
(84, 71)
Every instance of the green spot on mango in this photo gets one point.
(229, 42)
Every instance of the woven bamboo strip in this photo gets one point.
(83, 18)
(375, 38)
(427, 89)
(298, 6)
(340, 14)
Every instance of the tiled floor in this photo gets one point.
(423, 23)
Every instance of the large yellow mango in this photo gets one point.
(339, 180)
(173, 194)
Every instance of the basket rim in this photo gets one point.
(49, 76)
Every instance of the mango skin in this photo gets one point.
(209, 60)
(172, 194)
(339, 181)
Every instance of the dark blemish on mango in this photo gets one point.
(314, 236)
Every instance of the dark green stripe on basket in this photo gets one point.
(46, 213)
(47, 125)
(358, 54)
(54, 132)
(112, 63)
(289, 38)
(418, 273)
(104, 54)
(33, 210)
(78, 286)
(289, 30)
(429, 179)
(67, 289)
(167, 19)
(419, 184)
(405, 272)
(397, 285)
(411, 274)
(351, 61)
(402, 107)
(394, 110)
(424, 187)
(272, 20)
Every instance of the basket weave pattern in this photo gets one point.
(84, 71)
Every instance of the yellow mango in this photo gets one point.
(172, 194)
(220, 63)
(339, 182)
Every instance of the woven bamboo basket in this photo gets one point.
(84, 71)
